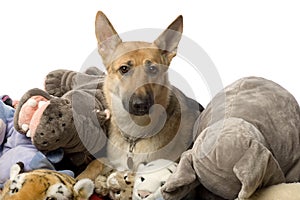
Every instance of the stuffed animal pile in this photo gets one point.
(246, 139)
(15, 147)
(145, 182)
(68, 119)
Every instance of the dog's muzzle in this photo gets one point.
(140, 105)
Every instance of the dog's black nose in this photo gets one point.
(140, 104)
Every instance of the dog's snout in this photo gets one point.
(140, 105)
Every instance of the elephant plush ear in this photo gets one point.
(27, 107)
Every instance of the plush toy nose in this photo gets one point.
(143, 193)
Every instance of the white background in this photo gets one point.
(242, 38)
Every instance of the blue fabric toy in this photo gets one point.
(16, 147)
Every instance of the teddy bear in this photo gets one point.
(247, 138)
(150, 177)
(69, 116)
(44, 184)
(15, 147)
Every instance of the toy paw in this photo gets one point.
(58, 82)
(101, 186)
(94, 71)
(120, 185)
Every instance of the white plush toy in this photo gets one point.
(151, 177)
(283, 191)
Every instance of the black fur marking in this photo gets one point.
(170, 170)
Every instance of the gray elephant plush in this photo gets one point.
(247, 138)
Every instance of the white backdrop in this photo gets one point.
(242, 38)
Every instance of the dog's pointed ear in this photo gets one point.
(168, 41)
(107, 37)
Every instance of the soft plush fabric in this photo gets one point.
(247, 138)
(44, 184)
(72, 119)
(16, 147)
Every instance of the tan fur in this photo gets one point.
(127, 129)
(36, 185)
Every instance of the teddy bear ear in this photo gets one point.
(26, 100)
(84, 188)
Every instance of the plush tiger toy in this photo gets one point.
(44, 184)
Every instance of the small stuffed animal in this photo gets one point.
(44, 185)
(151, 177)
(70, 115)
(146, 182)
(117, 185)
(120, 185)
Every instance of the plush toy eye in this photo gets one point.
(142, 179)
(124, 69)
(162, 183)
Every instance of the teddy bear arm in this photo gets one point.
(256, 169)
(58, 82)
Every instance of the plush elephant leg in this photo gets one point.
(257, 168)
(182, 181)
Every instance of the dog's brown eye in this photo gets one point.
(152, 70)
(124, 69)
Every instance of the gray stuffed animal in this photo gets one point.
(70, 115)
(247, 138)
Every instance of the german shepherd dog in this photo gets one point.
(150, 118)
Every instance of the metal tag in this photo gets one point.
(130, 163)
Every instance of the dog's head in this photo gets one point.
(137, 75)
